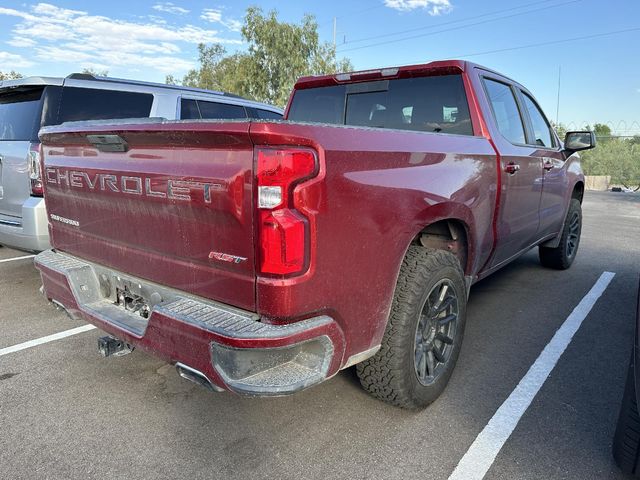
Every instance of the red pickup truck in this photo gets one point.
(263, 257)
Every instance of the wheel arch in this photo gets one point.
(448, 234)
(447, 226)
(578, 191)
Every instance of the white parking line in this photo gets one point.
(483, 451)
(16, 258)
(47, 339)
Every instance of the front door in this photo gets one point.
(547, 149)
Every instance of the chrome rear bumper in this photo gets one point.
(230, 347)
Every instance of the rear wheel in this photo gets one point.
(626, 441)
(424, 333)
(562, 256)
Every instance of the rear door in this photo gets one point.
(20, 117)
(520, 171)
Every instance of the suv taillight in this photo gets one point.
(283, 229)
(35, 176)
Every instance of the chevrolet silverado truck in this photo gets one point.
(262, 257)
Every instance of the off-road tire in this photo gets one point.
(390, 375)
(562, 256)
(626, 441)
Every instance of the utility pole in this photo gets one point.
(335, 31)
(558, 102)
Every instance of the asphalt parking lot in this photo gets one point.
(65, 412)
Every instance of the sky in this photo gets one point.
(591, 46)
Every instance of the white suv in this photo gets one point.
(30, 103)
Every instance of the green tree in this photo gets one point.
(602, 131)
(278, 53)
(561, 130)
(617, 157)
(95, 73)
(10, 75)
(207, 75)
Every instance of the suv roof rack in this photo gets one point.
(89, 76)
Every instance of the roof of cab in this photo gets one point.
(451, 66)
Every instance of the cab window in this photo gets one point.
(505, 111)
(541, 129)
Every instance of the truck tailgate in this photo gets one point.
(173, 206)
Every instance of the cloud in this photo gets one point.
(433, 7)
(169, 7)
(20, 42)
(55, 34)
(214, 15)
(11, 61)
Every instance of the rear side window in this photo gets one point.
(505, 111)
(20, 114)
(221, 110)
(94, 104)
(200, 109)
(428, 104)
(189, 110)
(541, 128)
(267, 114)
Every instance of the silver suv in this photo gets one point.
(30, 103)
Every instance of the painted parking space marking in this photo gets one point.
(47, 339)
(483, 451)
(4, 260)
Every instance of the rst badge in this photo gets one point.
(225, 257)
(66, 221)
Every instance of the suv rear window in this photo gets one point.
(96, 104)
(428, 104)
(20, 113)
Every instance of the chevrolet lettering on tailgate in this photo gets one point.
(134, 185)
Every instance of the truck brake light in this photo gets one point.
(283, 230)
(35, 175)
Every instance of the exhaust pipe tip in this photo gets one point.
(196, 377)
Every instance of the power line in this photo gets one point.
(458, 28)
(553, 42)
(442, 24)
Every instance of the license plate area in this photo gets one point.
(132, 302)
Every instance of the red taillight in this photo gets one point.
(283, 230)
(35, 175)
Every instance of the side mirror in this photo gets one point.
(576, 141)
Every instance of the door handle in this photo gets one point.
(512, 168)
(548, 166)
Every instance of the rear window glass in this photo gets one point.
(428, 104)
(95, 104)
(20, 113)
